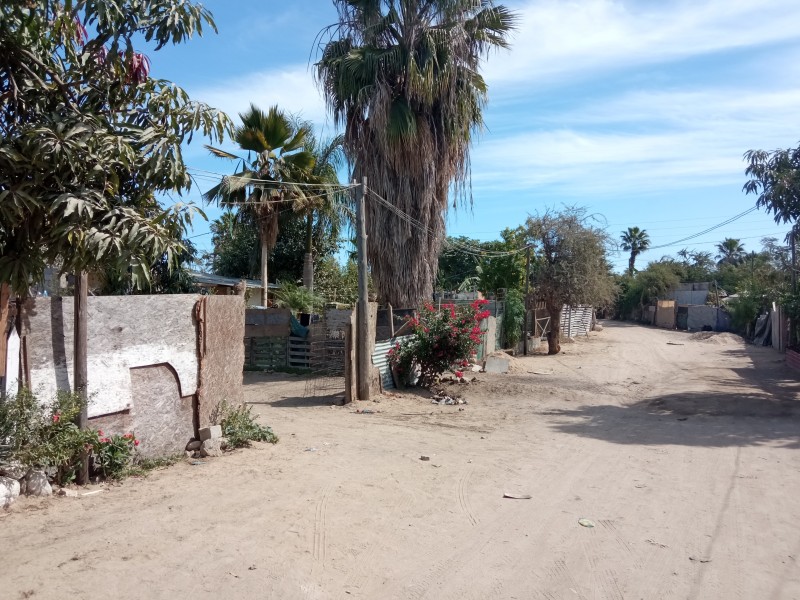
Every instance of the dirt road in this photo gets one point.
(682, 452)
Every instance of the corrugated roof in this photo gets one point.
(211, 279)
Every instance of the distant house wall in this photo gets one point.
(689, 293)
(665, 314)
(707, 316)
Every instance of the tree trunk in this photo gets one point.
(554, 335)
(80, 363)
(308, 262)
(264, 273)
(631, 263)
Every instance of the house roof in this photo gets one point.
(211, 279)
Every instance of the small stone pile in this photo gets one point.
(211, 443)
(16, 479)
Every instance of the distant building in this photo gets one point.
(218, 285)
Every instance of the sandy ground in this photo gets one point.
(683, 452)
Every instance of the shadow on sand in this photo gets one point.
(760, 405)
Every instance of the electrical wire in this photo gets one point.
(458, 246)
(705, 231)
(209, 175)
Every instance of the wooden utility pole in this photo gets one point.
(527, 291)
(80, 363)
(362, 308)
(793, 322)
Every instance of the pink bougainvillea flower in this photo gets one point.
(136, 442)
(128, 436)
(459, 374)
(100, 432)
(56, 418)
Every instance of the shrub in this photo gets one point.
(46, 437)
(239, 426)
(442, 340)
(513, 318)
(113, 456)
(297, 298)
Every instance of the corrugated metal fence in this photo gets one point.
(576, 320)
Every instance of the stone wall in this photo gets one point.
(221, 350)
(146, 358)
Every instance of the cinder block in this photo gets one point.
(210, 433)
(495, 364)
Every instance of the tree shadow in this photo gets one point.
(760, 404)
(305, 402)
(688, 419)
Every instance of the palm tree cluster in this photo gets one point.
(286, 169)
(402, 77)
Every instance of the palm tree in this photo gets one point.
(266, 180)
(402, 77)
(635, 241)
(731, 252)
(329, 204)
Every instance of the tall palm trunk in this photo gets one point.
(264, 272)
(308, 261)
(268, 224)
(631, 263)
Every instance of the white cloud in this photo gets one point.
(558, 40)
(292, 88)
(640, 142)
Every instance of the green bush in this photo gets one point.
(240, 428)
(112, 457)
(46, 437)
(441, 340)
(297, 298)
(513, 318)
(744, 310)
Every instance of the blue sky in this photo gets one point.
(638, 110)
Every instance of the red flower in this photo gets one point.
(136, 442)
(104, 440)
(459, 374)
(56, 418)
(100, 432)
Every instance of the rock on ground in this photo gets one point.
(212, 447)
(37, 484)
(13, 469)
(9, 491)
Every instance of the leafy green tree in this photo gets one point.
(165, 277)
(265, 182)
(237, 248)
(335, 282)
(730, 252)
(328, 207)
(649, 284)
(89, 139)
(635, 241)
(775, 178)
(571, 266)
(456, 266)
(507, 271)
(403, 79)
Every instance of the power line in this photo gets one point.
(211, 175)
(705, 231)
(459, 246)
